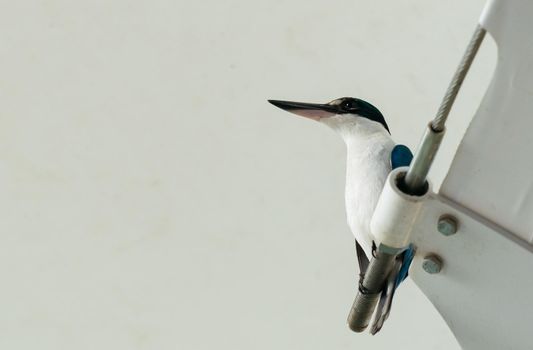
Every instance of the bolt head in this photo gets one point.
(447, 225)
(432, 264)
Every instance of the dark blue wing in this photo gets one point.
(400, 156)
(407, 258)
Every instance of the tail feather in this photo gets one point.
(397, 275)
(362, 260)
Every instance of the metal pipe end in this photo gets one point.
(362, 311)
(420, 191)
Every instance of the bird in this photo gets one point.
(371, 155)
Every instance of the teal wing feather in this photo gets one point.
(400, 156)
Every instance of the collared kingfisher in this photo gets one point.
(371, 155)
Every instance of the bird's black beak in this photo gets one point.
(314, 111)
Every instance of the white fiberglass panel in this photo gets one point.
(492, 172)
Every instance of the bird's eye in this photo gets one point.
(348, 105)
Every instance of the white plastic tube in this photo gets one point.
(396, 212)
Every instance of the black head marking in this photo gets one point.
(351, 105)
(344, 105)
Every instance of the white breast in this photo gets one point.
(368, 164)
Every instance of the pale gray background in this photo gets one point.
(152, 199)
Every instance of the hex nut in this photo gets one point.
(432, 264)
(447, 225)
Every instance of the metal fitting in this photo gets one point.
(432, 264)
(447, 225)
(369, 291)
